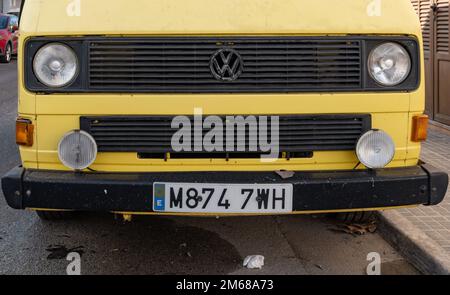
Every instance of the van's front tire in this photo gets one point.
(54, 215)
(356, 217)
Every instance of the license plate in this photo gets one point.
(222, 198)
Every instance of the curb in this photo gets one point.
(419, 249)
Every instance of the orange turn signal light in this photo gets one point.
(24, 132)
(420, 128)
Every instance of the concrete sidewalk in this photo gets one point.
(423, 233)
(435, 220)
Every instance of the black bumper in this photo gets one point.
(313, 191)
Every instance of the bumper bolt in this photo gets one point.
(423, 189)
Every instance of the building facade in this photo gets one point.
(435, 20)
(9, 5)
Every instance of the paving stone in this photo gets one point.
(435, 220)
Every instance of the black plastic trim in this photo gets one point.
(318, 143)
(313, 191)
(438, 184)
(81, 85)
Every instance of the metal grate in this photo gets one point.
(153, 134)
(170, 65)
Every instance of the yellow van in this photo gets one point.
(223, 107)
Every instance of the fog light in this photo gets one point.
(375, 149)
(77, 150)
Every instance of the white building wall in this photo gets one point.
(9, 4)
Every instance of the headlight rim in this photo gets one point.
(360, 141)
(75, 76)
(410, 64)
(61, 159)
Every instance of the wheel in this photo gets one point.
(356, 217)
(54, 215)
(8, 54)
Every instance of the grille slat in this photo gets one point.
(196, 58)
(183, 64)
(289, 140)
(140, 82)
(113, 45)
(165, 134)
(243, 52)
(187, 66)
(153, 134)
(324, 124)
(138, 71)
(142, 77)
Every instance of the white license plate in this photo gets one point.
(222, 198)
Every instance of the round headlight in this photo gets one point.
(55, 65)
(389, 64)
(375, 149)
(77, 150)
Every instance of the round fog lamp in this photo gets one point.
(77, 150)
(375, 149)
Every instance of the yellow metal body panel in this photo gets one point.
(56, 114)
(200, 17)
(257, 214)
(130, 214)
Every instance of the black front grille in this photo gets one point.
(153, 134)
(170, 65)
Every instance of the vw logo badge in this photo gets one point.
(226, 64)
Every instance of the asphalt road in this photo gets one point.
(166, 245)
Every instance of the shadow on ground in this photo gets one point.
(148, 245)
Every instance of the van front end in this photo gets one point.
(272, 108)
